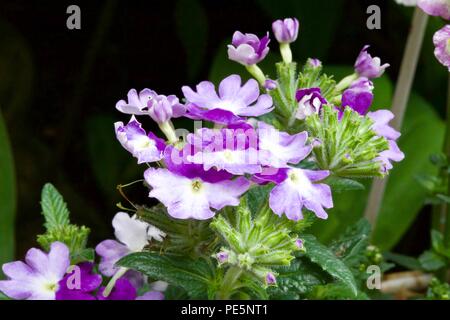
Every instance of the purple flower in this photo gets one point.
(232, 150)
(299, 244)
(369, 67)
(123, 290)
(222, 257)
(159, 107)
(133, 235)
(79, 284)
(441, 41)
(309, 102)
(38, 278)
(152, 295)
(270, 279)
(314, 63)
(439, 8)
(248, 49)
(193, 197)
(234, 101)
(381, 119)
(298, 190)
(285, 31)
(270, 84)
(381, 127)
(146, 148)
(392, 154)
(277, 149)
(359, 96)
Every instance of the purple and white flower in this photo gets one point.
(309, 102)
(133, 235)
(369, 67)
(441, 41)
(278, 149)
(232, 150)
(286, 31)
(194, 196)
(233, 102)
(125, 290)
(439, 8)
(359, 95)
(145, 147)
(248, 49)
(297, 190)
(160, 108)
(38, 278)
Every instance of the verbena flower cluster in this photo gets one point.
(289, 136)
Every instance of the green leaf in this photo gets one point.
(297, 280)
(335, 291)
(339, 184)
(328, 261)
(54, 208)
(7, 196)
(431, 261)
(352, 244)
(194, 276)
(192, 28)
(257, 197)
(404, 261)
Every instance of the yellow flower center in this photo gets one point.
(196, 185)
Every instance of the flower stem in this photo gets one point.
(400, 100)
(346, 82)
(169, 131)
(257, 73)
(229, 282)
(286, 53)
(113, 281)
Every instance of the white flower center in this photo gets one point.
(196, 186)
(144, 142)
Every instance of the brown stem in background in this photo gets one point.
(400, 100)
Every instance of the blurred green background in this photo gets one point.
(58, 89)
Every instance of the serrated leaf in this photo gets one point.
(327, 260)
(54, 208)
(194, 276)
(297, 280)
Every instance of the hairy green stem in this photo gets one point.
(400, 100)
(257, 73)
(229, 283)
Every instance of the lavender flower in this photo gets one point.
(309, 102)
(381, 127)
(270, 84)
(440, 8)
(193, 197)
(441, 41)
(145, 147)
(369, 67)
(277, 149)
(270, 279)
(133, 235)
(285, 31)
(38, 278)
(233, 102)
(159, 107)
(359, 96)
(248, 49)
(222, 257)
(89, 282)
(296, 189)
(232, 150)
(314, 63)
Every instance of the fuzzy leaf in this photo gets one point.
(328, 261)
(54, 208)
(194, 276)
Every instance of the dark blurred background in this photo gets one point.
(58, 87)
